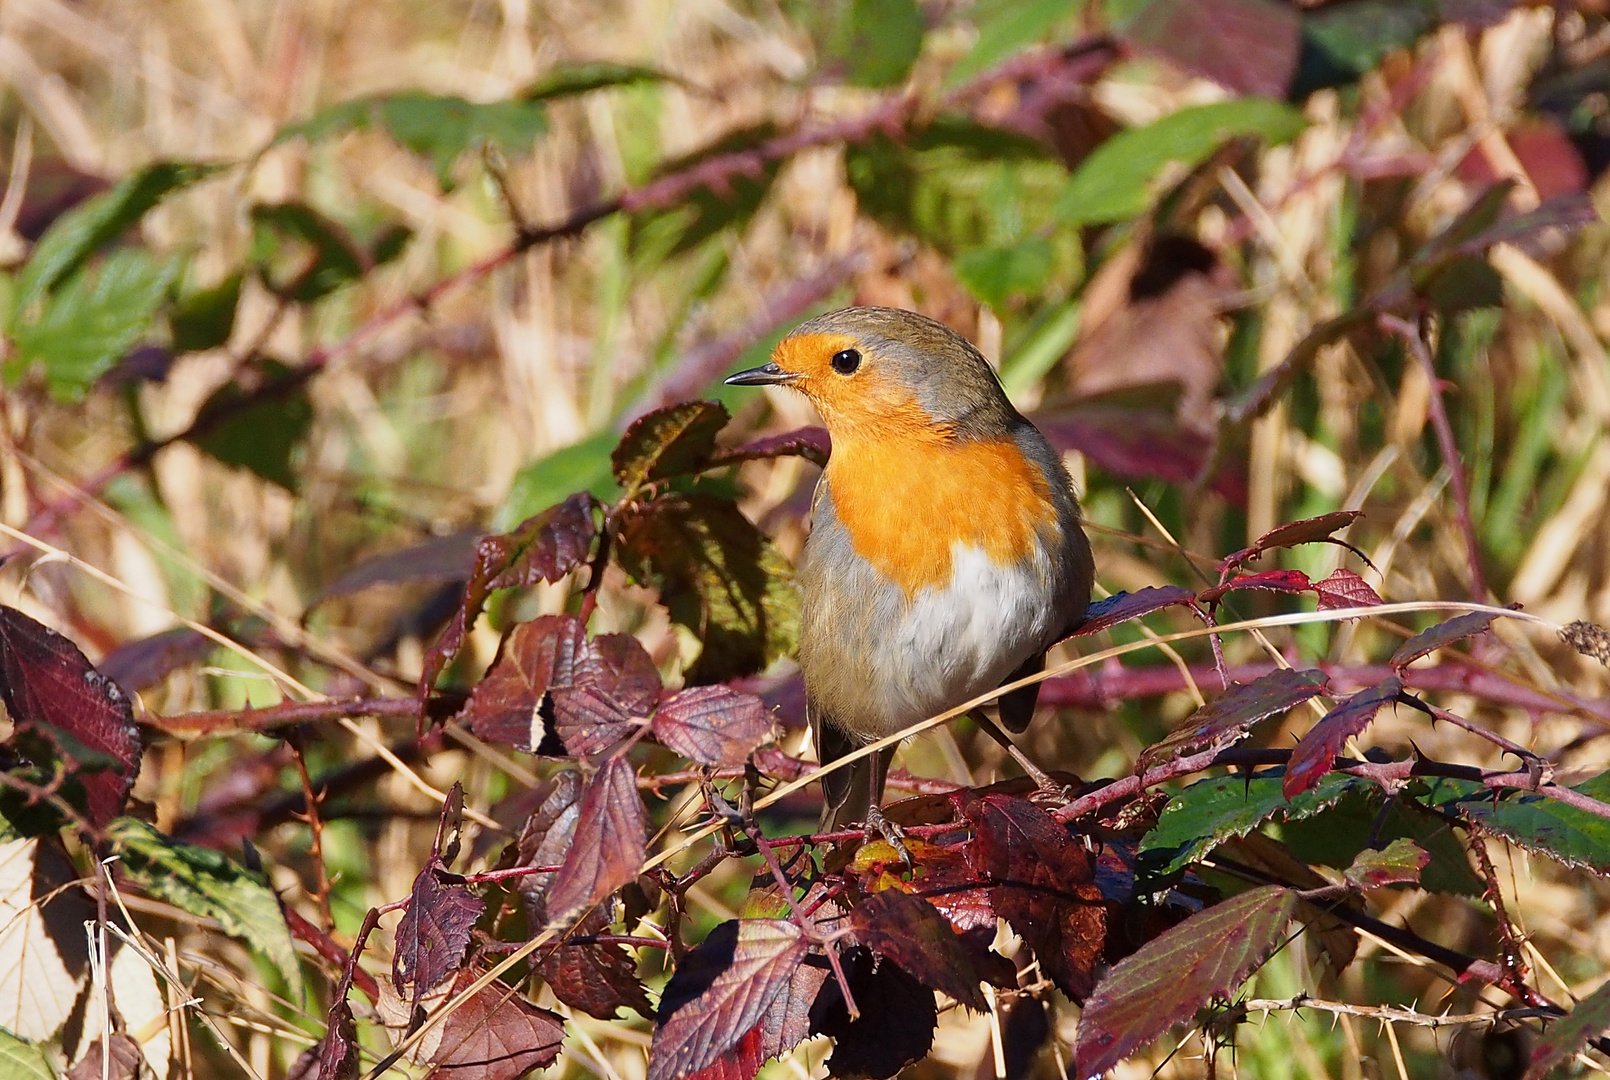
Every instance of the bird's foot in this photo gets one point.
(888, 830)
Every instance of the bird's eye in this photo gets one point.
(846, 362)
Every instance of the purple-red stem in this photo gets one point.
(1416, 346)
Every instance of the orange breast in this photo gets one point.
(906, 500)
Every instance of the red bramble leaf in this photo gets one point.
(545, 547)
(1228, 718)
(810, 443)
(1433, 638)
(1316, 750)
(1272, 580)
(896, 1025)
(721, 992)
(1345, 589)
(434, 931)
(1122, 607)
(668, 442)
(611, 832)
(597, 978)
(1246, 46)
(1168, 979)
(949, 882)
(537, 656)
(908, 930)
(546, 838)
(620, 668)
(51, 690)
(1564, 1037)
(1312, 530)
(1042, 883)
(548, 671)
(713, 725)
(496, 1035)
(587, 721)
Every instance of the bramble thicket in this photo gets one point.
(397, 613)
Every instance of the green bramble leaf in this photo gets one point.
(89, 321)
(876, 41)
(996, 274)
(583, 466)
(21, 1060)
(1548, 826)
(1221, 808)
(91, 226)
(300, 254)
(1006, 27)
(568, 80)
(206, 883)
(264, 433)
(437, 127)
(956, 183)
(204, 319)
(720, 577)
(1116, 182)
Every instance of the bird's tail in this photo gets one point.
(849, 792)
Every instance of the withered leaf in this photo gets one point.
(1316, 750)
(78, 716)
(714, 725)
(611, 835)
(122, 1063)
(1230, 716)
(908, 930)
(671, 441)
(719, 576)
(496, 1035)
(721, 991)
(545, 547)
(1043, 885)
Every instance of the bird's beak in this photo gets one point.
(764, 375)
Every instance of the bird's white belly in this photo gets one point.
(956, 642)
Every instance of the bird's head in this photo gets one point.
(876, 372)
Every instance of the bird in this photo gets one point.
(946, 551)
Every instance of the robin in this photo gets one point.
(945, 554)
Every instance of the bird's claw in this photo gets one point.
(888, 830)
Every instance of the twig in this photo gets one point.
(1414, 343)
(286, 714)
(1103, 687)
(1392, 1014)
(311, 799)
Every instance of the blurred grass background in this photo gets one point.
(449, 419)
